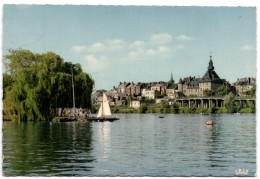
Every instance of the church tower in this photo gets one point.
(171, 80)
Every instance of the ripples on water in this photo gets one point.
(136, 145)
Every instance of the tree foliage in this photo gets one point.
(229, 103)
(38, 83)
(208, 93)
(251, 92)
(143, 108)
(222, 90)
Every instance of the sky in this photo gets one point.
(138, 43)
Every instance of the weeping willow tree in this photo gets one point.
(35, 84)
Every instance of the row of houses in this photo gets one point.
(159, 91)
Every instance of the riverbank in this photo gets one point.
(176, 110)
(169, 109)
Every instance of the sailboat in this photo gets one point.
(104, 112)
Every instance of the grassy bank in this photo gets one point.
(175, 109)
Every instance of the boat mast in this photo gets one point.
(102, 105)
(73, 88)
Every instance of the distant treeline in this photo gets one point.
(35, 84)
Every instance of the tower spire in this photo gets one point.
(171, 80)
(210, 67)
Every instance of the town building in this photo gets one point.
(192, 86)
(135, 104)
(188, 86)
(96, 97)
(149, 94)
(160, 87)
(128, 89)
(171, 90)
(243, 85)
(122, 87)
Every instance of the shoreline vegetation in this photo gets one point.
(175, 109)
(154, 109)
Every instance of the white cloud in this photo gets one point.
(161, 38)
(95, 64)
(246, 47)
(151, 52)
(115, 44)
(137, 44)
(107, 45)
(163, 49)
(78, 48)
(132, 54)
(180, 46)
(184, 37)
(138, 54)
(96, 47)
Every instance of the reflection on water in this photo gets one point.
(103, 136)
(136, 145)
(45, 148)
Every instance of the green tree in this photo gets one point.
(42, 82)
(222, 90)
(251, 92)
(175, 108)
(252, 107)
(229, 103)
(7, 83)
(208, 93)
(213, 110)
(143, 108)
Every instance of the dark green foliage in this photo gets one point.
(251, 92)
(42, 82)
(143, 108)
(207, 93)
(204, 110)
(123, 109)
(7, 83)
(213, 110)
(250, 108)
(175, 108)
(222, 90)
(229, 103)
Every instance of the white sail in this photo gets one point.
(100, 110)
(104, 109)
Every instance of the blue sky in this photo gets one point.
(138, 43)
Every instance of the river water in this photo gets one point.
(136, 145)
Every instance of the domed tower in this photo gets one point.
(210, 74)
(210, 67)
(180, 86)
